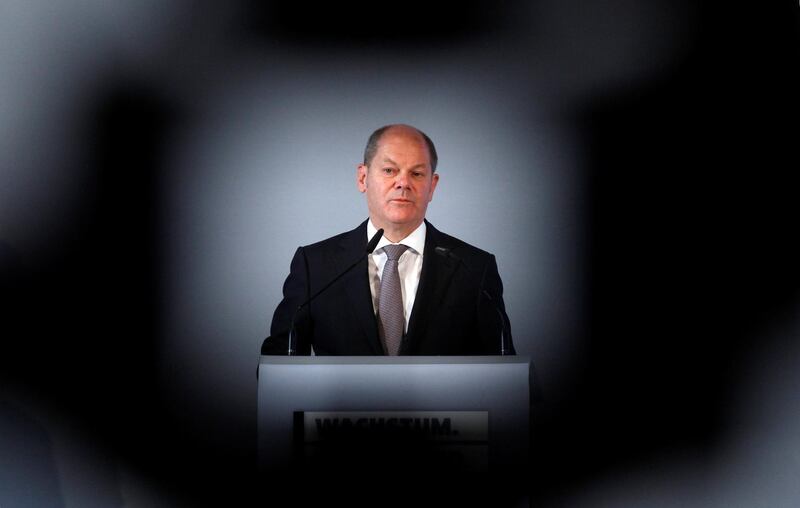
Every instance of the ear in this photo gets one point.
(434, 181)
(361, 178)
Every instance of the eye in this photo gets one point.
(387, 171)
(418, 174)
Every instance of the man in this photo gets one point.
(420, 291)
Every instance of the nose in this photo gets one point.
(402, 180)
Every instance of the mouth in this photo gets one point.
(401, 201)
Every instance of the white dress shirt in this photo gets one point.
(409, 266)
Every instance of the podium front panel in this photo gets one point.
(472, 409)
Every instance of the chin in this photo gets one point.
(403, 220)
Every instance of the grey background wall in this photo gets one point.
(625, 163)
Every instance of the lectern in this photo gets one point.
(436, 414)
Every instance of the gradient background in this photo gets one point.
(627, 162)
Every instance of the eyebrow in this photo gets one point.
(390, 161)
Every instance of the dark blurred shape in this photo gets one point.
(81, 330)
(416, 23)
(691, 256)
(28, 475)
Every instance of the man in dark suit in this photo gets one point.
(420, 292)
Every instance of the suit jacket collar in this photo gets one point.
(434, 281)
(352, 245)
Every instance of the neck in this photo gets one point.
(396, 232)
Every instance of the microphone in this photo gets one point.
(506, 329)
(373, 242)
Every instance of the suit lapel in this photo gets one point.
(356, 284)
(434, 282)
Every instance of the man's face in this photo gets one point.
(399, 181)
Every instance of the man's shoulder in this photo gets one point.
(354, 236)
(455, 245)
(357, 239)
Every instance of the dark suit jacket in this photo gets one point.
(451, 315)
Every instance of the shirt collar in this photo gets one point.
(416, 240)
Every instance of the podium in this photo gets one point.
(441, 415)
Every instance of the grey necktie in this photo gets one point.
(390, 301)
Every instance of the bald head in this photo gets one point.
(399, 129)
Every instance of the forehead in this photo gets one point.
(404, 144)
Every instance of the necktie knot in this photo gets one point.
(393, 252)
